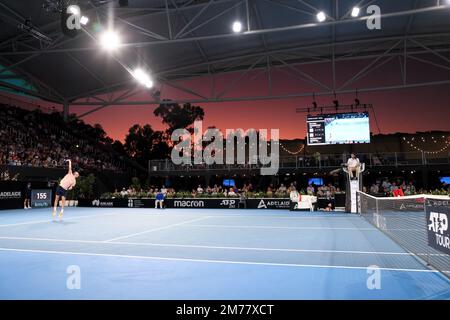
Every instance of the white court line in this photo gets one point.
(234, 215)
(157, 229)
(218, 247)
(299, 216)
(296, 228)
(269, 227)
(56, 219)
(215, 261)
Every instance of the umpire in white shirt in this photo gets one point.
(354, 167)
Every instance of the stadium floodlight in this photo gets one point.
(142, 77)
(237, 27)
(74, 10)
(149, 84)
(110, 40)
(355, 12)
(321, 16)
(84, 20)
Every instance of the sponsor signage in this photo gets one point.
(408, 205)
(11, 195)
(268, 203)
(438, 215)
(41, 198)
(188, 203)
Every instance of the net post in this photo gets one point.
(428, 247)
(358, 199)
(376, 207)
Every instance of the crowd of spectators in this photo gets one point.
(38, 139)
(389, 188)
(138, 192)
(325, 191)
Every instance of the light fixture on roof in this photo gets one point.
(110, 40)
(149, 84)
(143, 78)
(321, 16)
(355, 12)
(237, 27)
(84, 20)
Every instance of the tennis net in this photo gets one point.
(405, 221)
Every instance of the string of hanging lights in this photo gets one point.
(412, 143)
(293, 153)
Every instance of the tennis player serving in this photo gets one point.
(67, 183)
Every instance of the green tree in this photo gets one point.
(179, 117)
(143, 144)
(84, 189)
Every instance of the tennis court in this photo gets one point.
(206, 254)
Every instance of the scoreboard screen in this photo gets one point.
(341, 128)
(41, 198)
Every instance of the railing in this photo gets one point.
(322, 161)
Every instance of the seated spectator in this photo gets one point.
(269, 191)
(386, 185)
(398, 192)
(412, 188)
(408, 191)
(159, 199)
(393, 188)
(282, 189)
(374, 189)
(232, 193)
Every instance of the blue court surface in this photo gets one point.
(191, 254)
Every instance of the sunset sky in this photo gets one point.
(404, 110)
(408, 110)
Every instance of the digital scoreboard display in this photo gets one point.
(341, 128)
(41, 198)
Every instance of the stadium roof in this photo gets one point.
(184, 39)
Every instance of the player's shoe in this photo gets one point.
(54, 213)
(61, 214)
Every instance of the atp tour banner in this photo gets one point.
(188, 203)
(438, 215)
